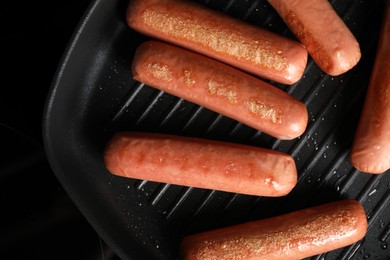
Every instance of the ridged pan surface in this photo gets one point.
(93, 96)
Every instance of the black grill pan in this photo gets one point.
(93, 96)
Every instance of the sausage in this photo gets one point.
(200, 163)
(295, 235)
(220, 88)
(214, 34)
(371, 146)
(328, 40)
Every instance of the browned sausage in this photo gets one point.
(220, 88)
(371, 147)
(219, 36)
(328, 40)
(201, 163)
(295, 235)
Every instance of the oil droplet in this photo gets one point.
(325, 155)
(381, 224)
(384, 245)
(308, 180)
(164, 212)
(156, 244)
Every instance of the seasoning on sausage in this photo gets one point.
(220, 88)
(327, 38)
(200, 163)
(295, 235)
(214, 34)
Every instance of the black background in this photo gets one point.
(38, 220)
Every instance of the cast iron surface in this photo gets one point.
(93, 96)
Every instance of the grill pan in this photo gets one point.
(93, 96)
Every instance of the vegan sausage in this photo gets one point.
(200, 163)
(371, 147)
(214, 34)
(220, 88)
(317, 25)
(296, 235)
